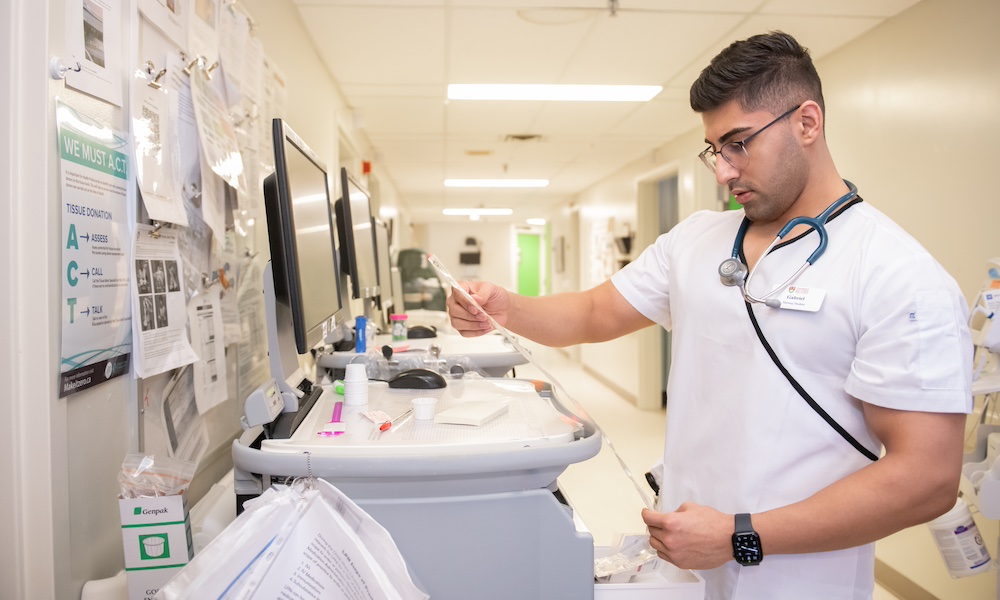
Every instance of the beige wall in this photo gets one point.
(914, 107)
(913, 115)
(316, 110)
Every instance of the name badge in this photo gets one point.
(800, 298)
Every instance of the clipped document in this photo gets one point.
(158, 301)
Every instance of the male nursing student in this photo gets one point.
(761, 493)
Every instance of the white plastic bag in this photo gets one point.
(308, 540)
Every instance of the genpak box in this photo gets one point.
(156, 534)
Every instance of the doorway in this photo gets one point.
(667, 195)
(657, 212)
(529, 264)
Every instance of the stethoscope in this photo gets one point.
(733, 271)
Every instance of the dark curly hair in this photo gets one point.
(769, 71)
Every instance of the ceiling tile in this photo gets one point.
(463, 117)
(400, 115)
(401, 46)
(659, 118)
(820, 35)
(856, 8)
(580, 118)
(644, 48)
(496, 46)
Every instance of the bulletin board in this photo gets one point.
(164, 227)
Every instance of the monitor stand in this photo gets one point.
(296, 389)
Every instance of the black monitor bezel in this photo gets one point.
(385, 299)
(348, 243)
(288, 276)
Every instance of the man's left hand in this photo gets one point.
(692, 537)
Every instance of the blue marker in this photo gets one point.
(360, 334)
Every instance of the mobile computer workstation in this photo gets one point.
(474, 509)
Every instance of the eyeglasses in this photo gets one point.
(735, 153)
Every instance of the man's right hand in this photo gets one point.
(469, 320)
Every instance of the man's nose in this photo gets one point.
(725, 172)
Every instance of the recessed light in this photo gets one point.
(568, 93)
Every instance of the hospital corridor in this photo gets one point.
(500, 299)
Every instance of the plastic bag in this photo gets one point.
(142, 476)
(308, 540)
(633, 555)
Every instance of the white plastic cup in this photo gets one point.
(423, 408)
(355, 386)
(356, 372)
(355, 392)
(960, 543)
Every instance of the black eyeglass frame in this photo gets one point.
(709, 156)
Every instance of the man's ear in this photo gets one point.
(810, 122)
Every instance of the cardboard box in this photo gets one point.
(156, 534)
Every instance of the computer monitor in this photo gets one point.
(383, 258)
(300, 227)
(357, 237)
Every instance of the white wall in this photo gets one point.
(29, 455)
(497, 246)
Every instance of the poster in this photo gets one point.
(96, 315)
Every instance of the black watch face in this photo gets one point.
(746, 548)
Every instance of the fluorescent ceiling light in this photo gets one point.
(570, 93)
(488, 212)
(536, 221)
(496, 183)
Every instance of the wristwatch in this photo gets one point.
(746, 542)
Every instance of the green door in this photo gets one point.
(528, 268)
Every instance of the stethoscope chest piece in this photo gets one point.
(732, 272)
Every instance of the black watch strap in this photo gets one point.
(743, 523)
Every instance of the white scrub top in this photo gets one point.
(890, 331)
